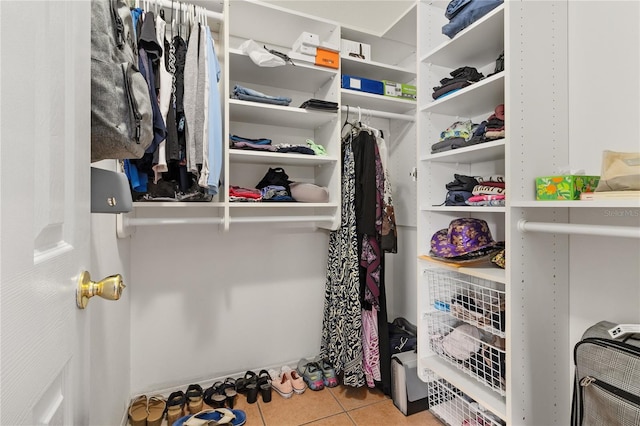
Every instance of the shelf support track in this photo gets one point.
(582, 229)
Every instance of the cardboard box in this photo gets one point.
(362, 84)
(400, 90)
(355, 49)
(564, 187)
(327, 58)
(409, 393)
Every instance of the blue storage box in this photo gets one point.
(362, 84)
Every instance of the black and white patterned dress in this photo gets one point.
(342, 323)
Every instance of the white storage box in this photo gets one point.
(355, 49)
(297, 56)
(306, 50)
(306, 39)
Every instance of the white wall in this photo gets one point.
(209, 304)
(604, 103)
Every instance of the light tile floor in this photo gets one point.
(339, 406)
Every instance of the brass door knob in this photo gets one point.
(109, 288)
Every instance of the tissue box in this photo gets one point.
(409, 393)
(362, 84)
(399, 90)
(564, 187)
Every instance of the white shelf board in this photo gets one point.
(300, 77)
(486, 151)
(259, 157)
(180, 204)
(476, 45)
(590, 204)
(279, 205)
(472, 100)
(486, 397)
(353, 98)
(277, 115)
(375, 70)
(469, 209)
(486, 270)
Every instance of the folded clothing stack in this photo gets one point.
(462, 13)
(320, 105)
(460, 77)
(476, 191)
(246, 94)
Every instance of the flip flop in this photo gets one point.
(219, 416)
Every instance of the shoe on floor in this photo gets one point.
(297, 382)
(312, 374)
(281, 384)
(138, 411)
(156, 407)
(328, 373)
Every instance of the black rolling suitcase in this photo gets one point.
(607, 378)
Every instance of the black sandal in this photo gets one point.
(264, 384)
(249, 385)
(194, 398)
(229, 391)
(213, 396)
(175, 406)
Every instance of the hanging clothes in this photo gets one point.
(341, 342)
(360, 270)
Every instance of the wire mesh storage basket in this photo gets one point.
(476, 301)
(478, 353)
(453, 407)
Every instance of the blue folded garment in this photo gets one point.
(246, 94)
(466, 14)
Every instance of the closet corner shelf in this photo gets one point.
(478, 98)
(353, 98)
(611, 204)
(476, 45)
(487, 151)
(486, 397)
(375, 70)
(257, 157)
(300, 77)
(278, 115)
(483, 269)
(468, 209)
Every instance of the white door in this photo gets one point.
(45, 187)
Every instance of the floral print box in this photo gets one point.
(566, 187)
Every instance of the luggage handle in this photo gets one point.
(623, 329)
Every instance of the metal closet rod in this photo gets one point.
(177, 5)
(575, 228)
(155, 221)
(379, 114)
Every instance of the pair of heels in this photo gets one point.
(179, 403)
(221, 394)
(253, 383)
(147, 411)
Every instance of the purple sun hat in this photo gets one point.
(463, 237)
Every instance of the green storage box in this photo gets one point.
(564, 187)
(400, 90)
